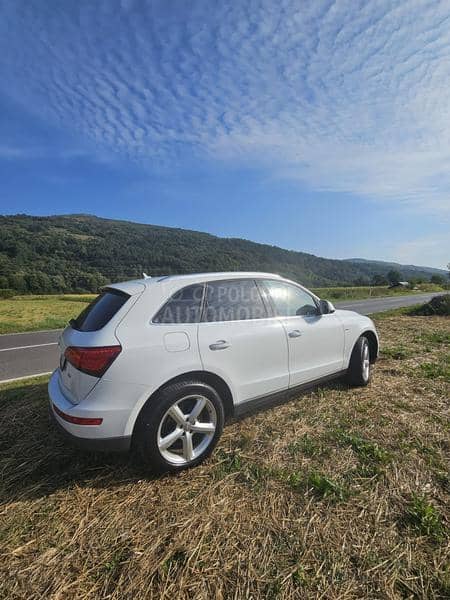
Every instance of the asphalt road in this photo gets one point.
(36, 353)
(368, 307)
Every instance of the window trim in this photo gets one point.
(261, 295)
(200, 283)
(269, 305)
(294, 285)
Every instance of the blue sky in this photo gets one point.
(321, 126)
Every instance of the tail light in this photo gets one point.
(92, 361)
(77, 420)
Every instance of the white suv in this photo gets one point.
(159, 363)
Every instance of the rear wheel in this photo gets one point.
(359, 370)
(180, 427)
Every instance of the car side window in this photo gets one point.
(290, 301)
(183, 307)
(233, 300)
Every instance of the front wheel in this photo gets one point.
(180, 427)
(359, 370)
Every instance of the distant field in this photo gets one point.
(340, 493)
(34, 313)
(362, 292)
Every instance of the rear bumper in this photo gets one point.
(88, 437)
(118, 444)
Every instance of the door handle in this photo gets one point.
(295, 333)
(219, 345)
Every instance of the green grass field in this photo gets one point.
(36, 313)
(363, 292)
(341, 493)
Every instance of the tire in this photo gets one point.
(359, 370)
(180, 427)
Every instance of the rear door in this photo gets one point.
(241, 341)
(316, 342)
(95, 326)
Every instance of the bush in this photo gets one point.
(6, 293)
(439, 305)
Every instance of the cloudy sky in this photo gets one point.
(316, 125)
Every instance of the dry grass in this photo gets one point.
(341, 493)
(33, 313)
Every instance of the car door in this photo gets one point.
(316, 341)
(241, 341)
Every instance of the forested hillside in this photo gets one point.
(82, 252)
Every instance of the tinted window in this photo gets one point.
(183, 307)
(100, 311)
(290, 300)
(235, 300)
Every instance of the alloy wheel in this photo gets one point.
(365, 362)
(186, 429)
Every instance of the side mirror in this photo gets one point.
(326, 307)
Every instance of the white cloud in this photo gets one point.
(346, 96)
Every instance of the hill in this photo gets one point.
(82, 252)
(398, 266)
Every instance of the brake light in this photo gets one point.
(92, 361)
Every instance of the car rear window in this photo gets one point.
(100, 311)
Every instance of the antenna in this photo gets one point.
(146, 276)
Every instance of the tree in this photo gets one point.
(437, 279)
(360, 281)
(378, 279)
(17, 282)
(394, 277)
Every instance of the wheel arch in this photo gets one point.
(373, 344)
(207, 377)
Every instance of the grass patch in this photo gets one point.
(406, 311)
(366, 450)
(396, 353)
(319, 484)
(424, 518)
(433, 337)
(440, 368)
(34, 313)
(176, 561)
(324, 487)
(308, 446)
(228, 463)
(372, 457)
(112, 567)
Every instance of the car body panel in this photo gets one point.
(318, 350)
(355, 325)
(256, 358)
